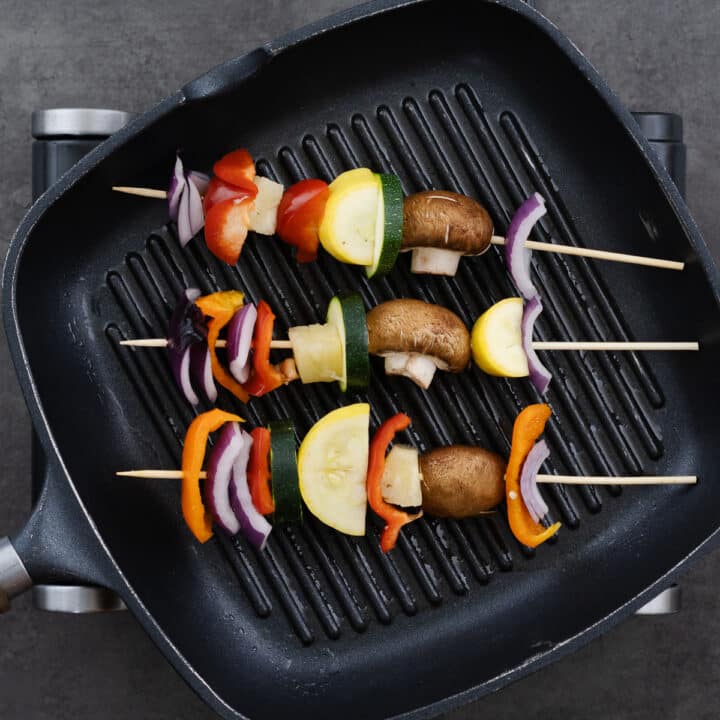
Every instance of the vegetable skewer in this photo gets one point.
(338, 472)
(540, 477)
(361, 218)
(499, 240)
(414, 338)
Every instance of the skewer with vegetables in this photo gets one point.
(415, 339)
(361, 218)
(338, 471)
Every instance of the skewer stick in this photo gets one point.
(562, 479)
(540, 345)
(162, 342)
(632, 346)
(597, 254)
(496, 240)
(143, 192)
(626, 480)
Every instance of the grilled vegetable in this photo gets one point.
(197, 518)
(517, 256)
(185, 206)
(347, 314)
(529, 425)
(496, 341)
(347, 230)
(393, 517)
(258, 471)
(263, 216)
(416, 337)
(201, 370)
(230, 445)
(540, 376)
(265, 376)
(401, 478)
(187, 327)
(220, 308)
(299, 216)
(252, 524)
(239, 338)
(236, 168)
(388, 227)
(226, 227)
(319, 352)
(332, 466)
(284, 472)
(461, 481)
(439, 227)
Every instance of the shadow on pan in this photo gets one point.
(323, 624)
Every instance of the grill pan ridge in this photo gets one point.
(319, 613)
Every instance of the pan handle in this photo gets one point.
(14, 578)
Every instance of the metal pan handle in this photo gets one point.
(14, 578)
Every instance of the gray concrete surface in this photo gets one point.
(657, 54)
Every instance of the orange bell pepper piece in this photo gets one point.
(196, 516)
(394, 518)
(220, 308)
(258, 472)
(529, 425)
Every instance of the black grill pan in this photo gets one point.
(485, 98)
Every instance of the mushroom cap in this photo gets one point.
(446, 220)
(414, 326)
(461, 481)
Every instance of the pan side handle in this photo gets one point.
(223, 79)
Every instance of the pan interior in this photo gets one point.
(488, 107)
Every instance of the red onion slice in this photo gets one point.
(540, 376)
(186, 327)
(195, 208)
(517, 256)
(239, 337)
(252, 524)
(219, 474)
(201, 369)
(528, 486)
(176, 188)
(199, 180)
(180, 364)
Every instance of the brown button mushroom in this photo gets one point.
(461, 481)
(440, 227)
(416, 338)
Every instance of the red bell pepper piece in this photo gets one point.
(196, 516)
(219, 190)
(226, 227)
(394, 518)
(529, 425)
(258, 471)
(299, 216)
(236, 168)
(220, 308)
(265, 376)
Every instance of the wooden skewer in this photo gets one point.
(143, 192)
(631, 346)
(539, 345)
(162, 342)
(497, 240)
(597, 254)
(625, 480)
(562, 479)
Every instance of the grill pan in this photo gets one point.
(322, 624)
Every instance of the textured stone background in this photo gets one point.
(656, 54)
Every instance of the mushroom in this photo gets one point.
(416, 338)
(440, 227)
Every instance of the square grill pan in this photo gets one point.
(496, 107)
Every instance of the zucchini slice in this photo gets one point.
(284, 472)
(388, 228)
(347, 314)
